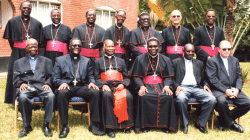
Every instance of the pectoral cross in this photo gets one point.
(75, 82)
(27, 36)
(175, 47)
(110, 69)
(154, 76)
(213, 46)
(119, 43)
(90, 45)
(146, 46)
(53, 43)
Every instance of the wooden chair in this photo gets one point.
(191, 101)
(75, 101)
(230, 104)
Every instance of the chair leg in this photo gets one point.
(207, 125)
(88, 114)
(16, 114)
(82, 111)
(58, 120)
(238, 120)
(212, 125)
(179, 121)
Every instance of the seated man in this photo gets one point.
(224, 74)
(152, 73)
(117, 104)
(73, 74)
(32, 75)
(190, 82)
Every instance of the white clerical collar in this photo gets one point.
(210, 26)
(153, 56)
(56, 24)
(186, 60)
(223, 59)
(109, 56)
(118, 26)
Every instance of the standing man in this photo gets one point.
(175, 37)
(90, 35)
(73, 75)
(56, 37)
(152, 73)
(190, 81)
(207, 37)
(139, 37)
(17, 31)
(33, 75)
(117, 102)
(118, 34)
(224, 74)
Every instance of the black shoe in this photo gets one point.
(201, 128)
(165, 130)
(145, 130)
(47, 132)
(111, 133)
(127, 131)
(25, 131)
(237, 127)
(64, 132)
(185, 129)
(221, 126)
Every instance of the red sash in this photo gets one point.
(120, 50)
(21, 45)
(209, 50)
(110, 76)
(142, 49)
(150, 80)
(59, 46)
(171, 50)
(90, 53)
(120, 105)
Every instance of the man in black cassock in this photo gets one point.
(207, 37)
(56, 37)
(139, 36)
(91, 36)
(175, 37)
(152, 73)
(17, 31)
(73, 74)
(117, 102)
(118, 34)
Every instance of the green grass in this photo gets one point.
(79, 128)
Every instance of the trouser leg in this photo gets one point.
(63, 104)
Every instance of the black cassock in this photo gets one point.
(137, 39)
(170, 35)
(116, 35)
(201, 38)
(109, 119)
(15, 32)
(62, 41)
(154, 109)
(90, 35)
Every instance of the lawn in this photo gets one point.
(79, 128)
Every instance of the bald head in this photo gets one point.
(109, 47)
(189, 51)
(32, 47)
(176, 17)
(224, 43)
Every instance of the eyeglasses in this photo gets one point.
(145, 19)
(229, 49)
(26, 8)
(74, 46)
(178, 16)
(211, 16)
(153, 46)
(120, 16)
(54, 16)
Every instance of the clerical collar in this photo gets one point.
(153, 56)
(144, 28)
(118, 26)
(90, 25)
(74, 57)
(31, 57)
(109, 56)
(175, 26)
(56, 24)
(210, 26)
(25, 19)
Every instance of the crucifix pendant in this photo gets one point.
(154, 76)
(90, 45)
(119, 43)
(146, 46)
(175, 47)
(53, 43)
(27, 36)
(213, 46)
(75, 82)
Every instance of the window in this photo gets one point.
(41, 10)
(105, 16)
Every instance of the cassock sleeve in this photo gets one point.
(17, 81)
(188, 37)
(57, 74)
(134, 51)
(90, 72)
(75, 33)
(196, 42)
(100, 83)
(44, 42)
(49, 70)
(126, 81)
(212, 71)
(68, 35)
(8, 34)
(163, 50)
(175, 84)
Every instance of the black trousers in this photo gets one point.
(227, 116)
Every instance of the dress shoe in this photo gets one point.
(201, 128)
(47, 132)
(64, 132)
(127, 131)
(237, 127)
(221, 126)
(145, 130)
(25, 131)
(111, 133)
(165, 130)
(185, 129)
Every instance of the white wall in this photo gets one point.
(7, 12)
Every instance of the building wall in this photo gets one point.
(74, 14)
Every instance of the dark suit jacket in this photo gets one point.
(180, 70)
(63, 70)
(23, 74)
(218, 76)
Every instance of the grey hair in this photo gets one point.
(70, 43)
(56, 9)
(27, 41)
(224, 42)
(119, 10)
